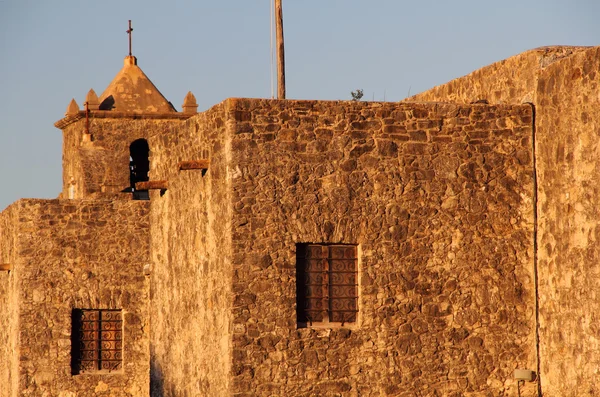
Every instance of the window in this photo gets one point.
(96, 340)
(326, 283)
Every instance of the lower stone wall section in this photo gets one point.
(81, 254)
(439, 200)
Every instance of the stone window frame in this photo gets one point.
(328, 294)
(97, 341)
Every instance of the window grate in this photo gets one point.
(97, 340)
(326, 283)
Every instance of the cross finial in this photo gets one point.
(129, 33)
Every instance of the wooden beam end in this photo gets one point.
(194, 165)
(152, 185)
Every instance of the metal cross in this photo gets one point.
(129, 33)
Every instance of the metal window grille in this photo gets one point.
(326, 283)
(97, 343)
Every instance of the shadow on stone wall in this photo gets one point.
(158, 388)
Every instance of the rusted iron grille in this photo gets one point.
(99, 344)
(326, 283)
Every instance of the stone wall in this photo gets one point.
(439, 199)
(97, 164)
(191, 258)
(568, 149)
(565, 96)
(510, 81)
(9, 303)
(88, 255)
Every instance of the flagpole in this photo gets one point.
(280, 50)
(271, 76)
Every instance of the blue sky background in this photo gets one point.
(52, 51)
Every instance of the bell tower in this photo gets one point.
(105, 144)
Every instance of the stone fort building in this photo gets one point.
(316, 248)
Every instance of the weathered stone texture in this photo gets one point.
(191, 298)
(564, 90)
(80, 254)
(9, 303)
(510, 81)
(476, 228)
(96, 165)
(568, 149)
(439, 199)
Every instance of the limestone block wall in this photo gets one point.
(97, 164)
(568, 149)
(191, 260)
(89, 255)
(9, 303)
(510, 81)
(439, 199)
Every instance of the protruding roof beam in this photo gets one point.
(152, 185)
(194, 165)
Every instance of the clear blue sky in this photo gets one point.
(52, 51)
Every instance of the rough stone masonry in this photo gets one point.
(472, 208)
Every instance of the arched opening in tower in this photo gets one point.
(139, 165)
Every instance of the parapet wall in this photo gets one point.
(510, 81)
(439, 199)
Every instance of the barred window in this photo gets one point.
(326, 283)
(96, 340)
